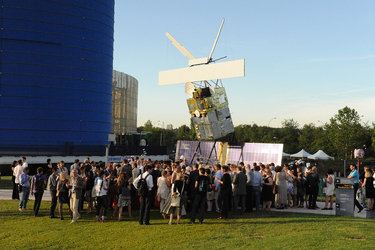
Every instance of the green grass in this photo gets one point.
(257, 230)
(6, 182)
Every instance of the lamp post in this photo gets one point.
(274, 118)
(161, 132)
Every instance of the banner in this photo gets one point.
(226, 154)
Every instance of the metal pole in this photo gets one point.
(106, 153)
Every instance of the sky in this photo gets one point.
(304, 60)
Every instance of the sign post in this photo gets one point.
(344, 196)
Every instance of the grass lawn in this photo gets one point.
(256, 230)
(6, 182)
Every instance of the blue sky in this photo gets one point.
(304, 59)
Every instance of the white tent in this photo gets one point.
(286, 155)
(320, 155)
(301, 154)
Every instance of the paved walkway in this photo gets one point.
(318, 211)
(6, 194)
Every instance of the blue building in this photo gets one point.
(56, 60)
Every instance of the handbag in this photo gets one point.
(176, 200)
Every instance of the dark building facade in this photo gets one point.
(56, 61)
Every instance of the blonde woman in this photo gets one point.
(62, 193)
(170, 208)
(370, 190)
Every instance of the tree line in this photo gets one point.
(338, 137)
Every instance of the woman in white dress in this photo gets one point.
(281, 190)
(163, 189)
(330, 181)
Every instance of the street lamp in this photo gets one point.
(161, 132)
(274, 118)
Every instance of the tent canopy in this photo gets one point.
(286, 154)
(320, 155)
(301, 154)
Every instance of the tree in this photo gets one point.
(289, 134)
(345, 132)
(148, 126)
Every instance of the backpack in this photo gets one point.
(142, 188)
(203, 186)
(39, 184)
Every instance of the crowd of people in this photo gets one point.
(176, 188)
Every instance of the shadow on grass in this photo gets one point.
(256, 218)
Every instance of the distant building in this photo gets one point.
(169, 126)
(124, 103)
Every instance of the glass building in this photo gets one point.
(124, 103)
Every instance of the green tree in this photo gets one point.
(289, 134)
(148, 126)
(345, 132)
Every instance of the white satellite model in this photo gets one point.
(208, 103)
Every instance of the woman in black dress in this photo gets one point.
(267, 191)
(62, 193)
(370, 190)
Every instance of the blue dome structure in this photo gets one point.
(56, 61)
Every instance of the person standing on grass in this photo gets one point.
(24, 182)
(124, 195)
(239, 181)
(355, 176)
(38, 182)
(370, 190)
(249, 188)
(177, 190)
(144, 184)
(15, 194)
(101, 187)
(52, 188)
(89, 184)
(62, 193)
(201, 185)
(163, 190)
(313, 182)
(18, 171)
(217, 182)
(225, 193)
(330, 181)
(210, 192)
(300, 189)
(257, 182)
(267, 190)
(281, 189)
(75, 190)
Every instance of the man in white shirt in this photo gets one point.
(24, 163)
(18, 170)
(146, 197)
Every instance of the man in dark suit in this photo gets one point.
(239, 181)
